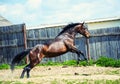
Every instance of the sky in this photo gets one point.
(37, 12)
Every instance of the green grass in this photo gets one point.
(70, 62)
(7, 66)
(14, 82)
(87, 81)
(5, 82)
(102, 61)
(108, 62)
(50, 63)
(4, 66)
(114, 72)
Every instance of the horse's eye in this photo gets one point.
(84, 28)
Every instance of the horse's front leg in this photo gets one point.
(78, 52)
(23, 72)
(82, 54)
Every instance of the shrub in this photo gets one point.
(4, 66)
(102, 61)
(91, 62)
(70, 62)
(117, 63)
(108, 62)
(85, 63)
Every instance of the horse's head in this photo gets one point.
(83, 29)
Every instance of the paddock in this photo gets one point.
(63, 75)
(104, 41)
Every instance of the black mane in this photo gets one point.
(69, 26)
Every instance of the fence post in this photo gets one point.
(88, 49)
(25, 41)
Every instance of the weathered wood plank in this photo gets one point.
(101, 43)
(11, 42)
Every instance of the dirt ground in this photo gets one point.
(48, 74)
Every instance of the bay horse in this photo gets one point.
(63, 43)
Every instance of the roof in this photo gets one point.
(63, 24)
(46, 26)
(4, 22)
(103, 19)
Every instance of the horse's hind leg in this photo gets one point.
(23, 72)
(26, 69)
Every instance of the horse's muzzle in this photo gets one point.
(87, 36)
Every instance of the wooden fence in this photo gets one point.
(14, 39)
(103, 42)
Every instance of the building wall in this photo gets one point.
(104, 24)
(92, 24)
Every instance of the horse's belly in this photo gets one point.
(49, 55)
(56, 49)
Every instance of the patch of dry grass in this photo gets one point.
(60, 75)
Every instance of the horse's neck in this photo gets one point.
(70, 34)
(67, 35)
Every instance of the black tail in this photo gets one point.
(18, 58)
